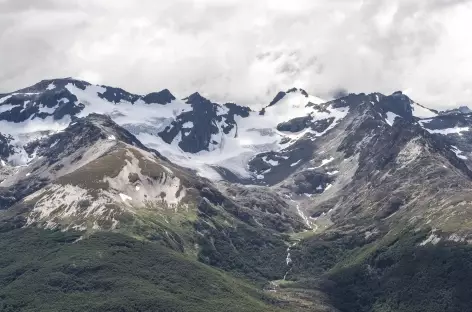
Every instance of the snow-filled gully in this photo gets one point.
(288, 260)
(312, 226)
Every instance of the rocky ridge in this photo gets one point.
(247, 191)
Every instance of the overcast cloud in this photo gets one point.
(244, 50)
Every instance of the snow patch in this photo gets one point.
(456, 238)
(422, 112)
(125, 197)
(48, 110)
(324, 162)
(30, 130)
(271, 162)
(288, 260)
(455, 130)
(391, 118)
(446, 131)
(54, 144)
(6, 107)
(5, 98)
(458, 152)
(187, 125)
(432, 239)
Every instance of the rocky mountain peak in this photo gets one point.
(277, 98)
(162, 97)
(196, 99)
(397, 103)
(54, 85)
(301, 91)
(465, 109)
(102, 127)
(282, 95)
(457, 111)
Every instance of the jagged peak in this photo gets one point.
(281, 95)
(105, 127)
(464, 109)
(300, 90)
(242, 110)
(397, 93)
(100, 121)
(461, 110)
(194, 96)
(161, 97)
(197, 99)
(61, 80)
(277, 98)
(111, 94)
(53, 84)
(95, 117)
(397, 103)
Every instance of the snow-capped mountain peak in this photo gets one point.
(214, 139)
(219, 141)
(294, 95)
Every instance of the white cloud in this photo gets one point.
(243, 50)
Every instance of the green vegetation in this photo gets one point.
(243, 250)
(317, 254)
(214, 235)
(54, 271)
(393, 274)
(171, 228)
(403, 276)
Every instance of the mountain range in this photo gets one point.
(154, 203)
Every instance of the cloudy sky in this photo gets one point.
(244, 50)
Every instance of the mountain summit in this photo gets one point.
(306, 205)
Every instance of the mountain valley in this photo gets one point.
(115, 201)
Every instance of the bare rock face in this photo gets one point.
(200, 126)
(5, 147)
(295, 125)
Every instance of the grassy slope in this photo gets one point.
(46, 271)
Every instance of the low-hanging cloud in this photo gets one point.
(244, 50)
